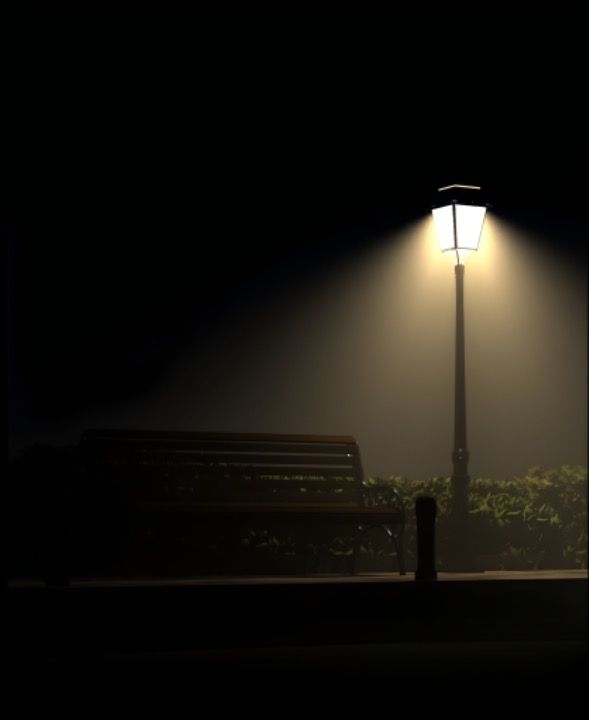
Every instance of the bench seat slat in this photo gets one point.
(243, 459)
(285, 472)
(379, 514)
(259, 482)
(124, 448)
(226, 488)
(129, 436)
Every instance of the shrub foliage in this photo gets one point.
(538, 521)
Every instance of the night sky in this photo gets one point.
(172, 171)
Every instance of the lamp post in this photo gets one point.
(459, 214)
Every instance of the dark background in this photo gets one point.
(169, 167)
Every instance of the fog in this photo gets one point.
(365, 347)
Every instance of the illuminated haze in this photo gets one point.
(366, 348)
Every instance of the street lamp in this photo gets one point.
(459, 214)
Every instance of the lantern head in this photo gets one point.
(459, 214)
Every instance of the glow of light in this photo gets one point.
(464, 237)
(463, 254)
(445, 226)
(372, 343)
(469, 225)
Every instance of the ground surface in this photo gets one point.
(525, 632)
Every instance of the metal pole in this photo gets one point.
(461, 555)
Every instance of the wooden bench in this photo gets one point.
(269, 480)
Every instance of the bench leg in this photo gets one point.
(401, 552)
(356, 548)
(397, 540)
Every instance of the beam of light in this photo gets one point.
(367, 347)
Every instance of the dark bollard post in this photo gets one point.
(425, 513)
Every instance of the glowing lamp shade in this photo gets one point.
(459, 216)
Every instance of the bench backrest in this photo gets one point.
(226, 467)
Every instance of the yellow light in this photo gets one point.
(444, 220)
(459, 227)
(469, 225)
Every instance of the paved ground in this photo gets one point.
(492, 632)
(490, 575)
